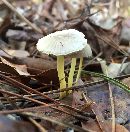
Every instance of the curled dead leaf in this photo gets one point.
(21, 69)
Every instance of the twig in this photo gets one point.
(20, 96)
(41, 116)
(34, 27)
(41, 128)
(112, 108)
(85, 86)
(101, 4)
(114, 45)
(98, 121)
(80, 117)
(90, 62)
(49, 105)
(105, 71)
(78, 111)
(31, 109)
(24, 87)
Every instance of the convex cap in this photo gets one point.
(85, 52)
(62, 42)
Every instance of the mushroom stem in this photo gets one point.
(61, 74)
(71, 73)
(80, 68)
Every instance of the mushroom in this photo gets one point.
(60, 44)
(85, 52)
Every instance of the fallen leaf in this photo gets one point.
(99, 93)
(8, 125)
(21, 69)
(48, 76)
(92, 125)
(7, 69)
(36, 63)
(18, 53)
(114, 69)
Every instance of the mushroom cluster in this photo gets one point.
(65, 43)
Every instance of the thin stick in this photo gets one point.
(34, 27)
(24, 87)
(105, 71)
(97, 119)
(41, 128)
(41, 116)
(114, 45)
(31, 109)
(42, 103)
(20, 96)
(112, 109)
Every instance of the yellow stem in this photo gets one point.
(80, 68)
(71, 73)
(61, 74)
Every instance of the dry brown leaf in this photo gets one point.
(8, 125)
(21, 69)
(36, 63)
(92, 125)
(18, 53)
(77, 99)
(7, 69)
(48, 76)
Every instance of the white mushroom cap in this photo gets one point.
(62, 42)
(85, 52)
